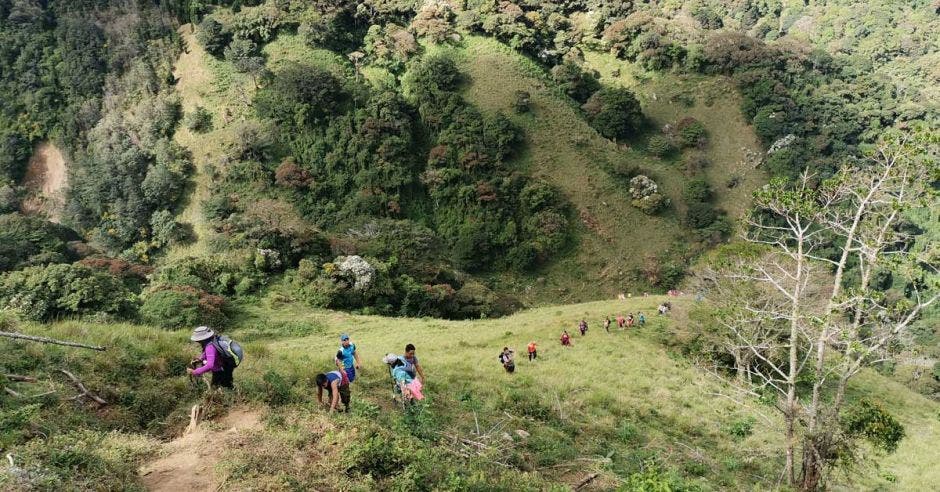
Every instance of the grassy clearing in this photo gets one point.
(613, 237)
(669, 97)
(606, 405)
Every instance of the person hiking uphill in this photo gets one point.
(620, 321)
(582, 327)
(406, 385)
(533, 351)
(506, 359)
(607, 324)
(347, 357)
(565, 338)
(336, 384)
(412, 366)
(217, 357)
(641, 318)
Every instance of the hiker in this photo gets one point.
(565, 338)
(336, 384)
(607, 324)
(214, 359)
(412, 366)
(347, 357)
(641, 318)
(620, 321)
(405, 384)
(630, 320)
(582, 327)
(533, 352)
(506, 359)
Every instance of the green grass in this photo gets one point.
(605, 405)
(613, 236)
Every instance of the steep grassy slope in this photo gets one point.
(607, 405)
(614, 238)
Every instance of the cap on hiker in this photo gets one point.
(202, 333)
(389, 358)
(344, 337)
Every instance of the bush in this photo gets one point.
(614, 112)
(741, 428)
(300, 95)
(245, 56)
(199, 120)
(698, 190)
(646, 196)
(700, 215)
(660, 146)
(577, 83)
(432, 76)
(43, 293)
(521, 102)
(691, 132)
(29, 241)
(213, 36)
(182, 307)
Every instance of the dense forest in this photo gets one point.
(404, 173)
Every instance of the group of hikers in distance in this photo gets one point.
(221, 355)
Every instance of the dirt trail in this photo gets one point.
(46, 177)
(188, 462)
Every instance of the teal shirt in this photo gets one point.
(347, 355)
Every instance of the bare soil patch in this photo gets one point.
(46, 178)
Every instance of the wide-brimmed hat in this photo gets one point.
(202, 333)
(389, 358)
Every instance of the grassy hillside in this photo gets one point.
(613, 404)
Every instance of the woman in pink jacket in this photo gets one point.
(222, 367)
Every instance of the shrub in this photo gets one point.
(521, 102)
(300, 95)
(213, 36)
(28, 241)
(698, 190)
(691, 132)
(432, 76)
(290, 175)
(199, 120)
(577, 83)
(614, 112)
(700, 215)
(244, 56)
(183, 306)
(870, 421)
(742, 427)
(660, 146)
(43, 293)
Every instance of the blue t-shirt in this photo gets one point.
(333, 376)
(401, 375)
(409, 365)
(347, 355)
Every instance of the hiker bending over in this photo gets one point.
(620, 321)
(336, 384)
(582, 327)
(533, 351)
(565, 338)
(630, 320)
(347, 357)
(214, 358)
(506, 359)
(412, 366)
(641, 318)
(607, 324)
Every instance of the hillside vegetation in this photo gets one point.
(624, 405)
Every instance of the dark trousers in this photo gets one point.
(225, 377)
(343, 395)
(533, 355)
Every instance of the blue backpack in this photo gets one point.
(230, 349)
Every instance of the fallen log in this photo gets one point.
(32, 338)
(81, 387)
(590, 478)
(20, 379)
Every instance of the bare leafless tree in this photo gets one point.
(802, 303)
